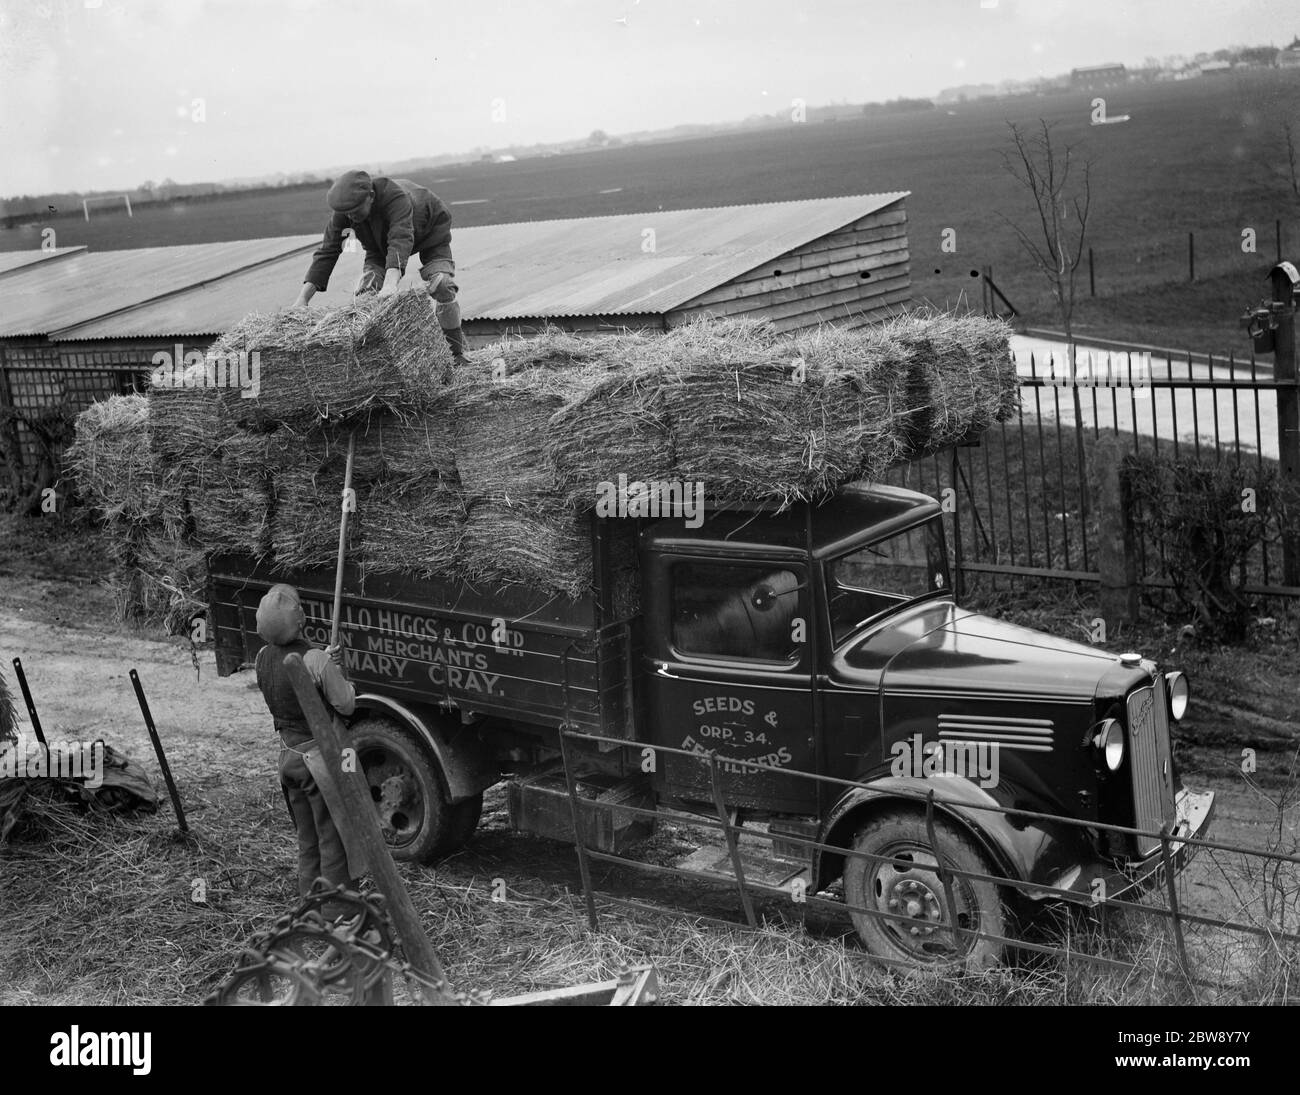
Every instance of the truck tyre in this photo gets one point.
(462, 823)
(405, 787)
(909, 885)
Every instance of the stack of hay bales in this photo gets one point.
(141, 499)
(490, 473)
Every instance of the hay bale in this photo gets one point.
(962, 380)
(411, 449)
(749, 413)
(407, 510)
(305, 522)
(115, 469)
(230, 495)
(307, 473)
(157, 576)
(741, 428)
(503, 427)
(375, 352)
(414, 528)
(529, 539)
(188, 422)
(171, 576)
(856, 394)
(617, 425)
(737, 416)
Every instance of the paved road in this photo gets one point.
(1158, 412)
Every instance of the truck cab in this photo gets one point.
(812, 665)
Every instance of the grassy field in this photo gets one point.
(1204, 156)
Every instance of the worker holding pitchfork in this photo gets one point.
(308, 788)
(391, 218)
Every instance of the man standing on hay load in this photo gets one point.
(392, 218)
(321, 851)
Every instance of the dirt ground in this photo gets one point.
(57, 616)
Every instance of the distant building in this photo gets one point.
(1216, 68)
(1289, 57)
(1098, 76)
(1257, 57)
(965, 93)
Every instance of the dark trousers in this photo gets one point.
(320, 848)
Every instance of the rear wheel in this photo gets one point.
(405, 787)
(908, 884)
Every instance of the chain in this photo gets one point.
(308, 958)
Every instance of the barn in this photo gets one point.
(77, 326)
(1094, 77)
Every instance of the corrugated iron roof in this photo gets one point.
(19, 260)
(50, 296)
(537, 269)
(612, 266)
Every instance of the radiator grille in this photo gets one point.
(1150, 763)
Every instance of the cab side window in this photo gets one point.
(725, 610)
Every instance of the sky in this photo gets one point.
(104, 94)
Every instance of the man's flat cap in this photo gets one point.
(349, 190)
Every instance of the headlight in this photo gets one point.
(1176, 686)
(1109, 742)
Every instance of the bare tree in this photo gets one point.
(1063, 205)
(1063, 208)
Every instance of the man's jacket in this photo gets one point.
(405, 217)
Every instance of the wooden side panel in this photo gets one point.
(442, 643)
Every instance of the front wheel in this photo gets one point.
(906, 883)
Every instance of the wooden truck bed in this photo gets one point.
(504, 651)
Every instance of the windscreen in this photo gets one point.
(883, 576)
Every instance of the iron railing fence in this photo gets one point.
(1022, 501)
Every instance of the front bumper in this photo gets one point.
(1193, 812)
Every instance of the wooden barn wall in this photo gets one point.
(856, 275)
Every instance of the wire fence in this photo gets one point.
(1210, 949)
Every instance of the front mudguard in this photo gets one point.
(1025, 850)
(466, 765)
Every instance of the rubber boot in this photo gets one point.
(456, 340)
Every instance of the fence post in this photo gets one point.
(1175, 917)
(959, 556)
(1288, 417)
(1116, 555)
